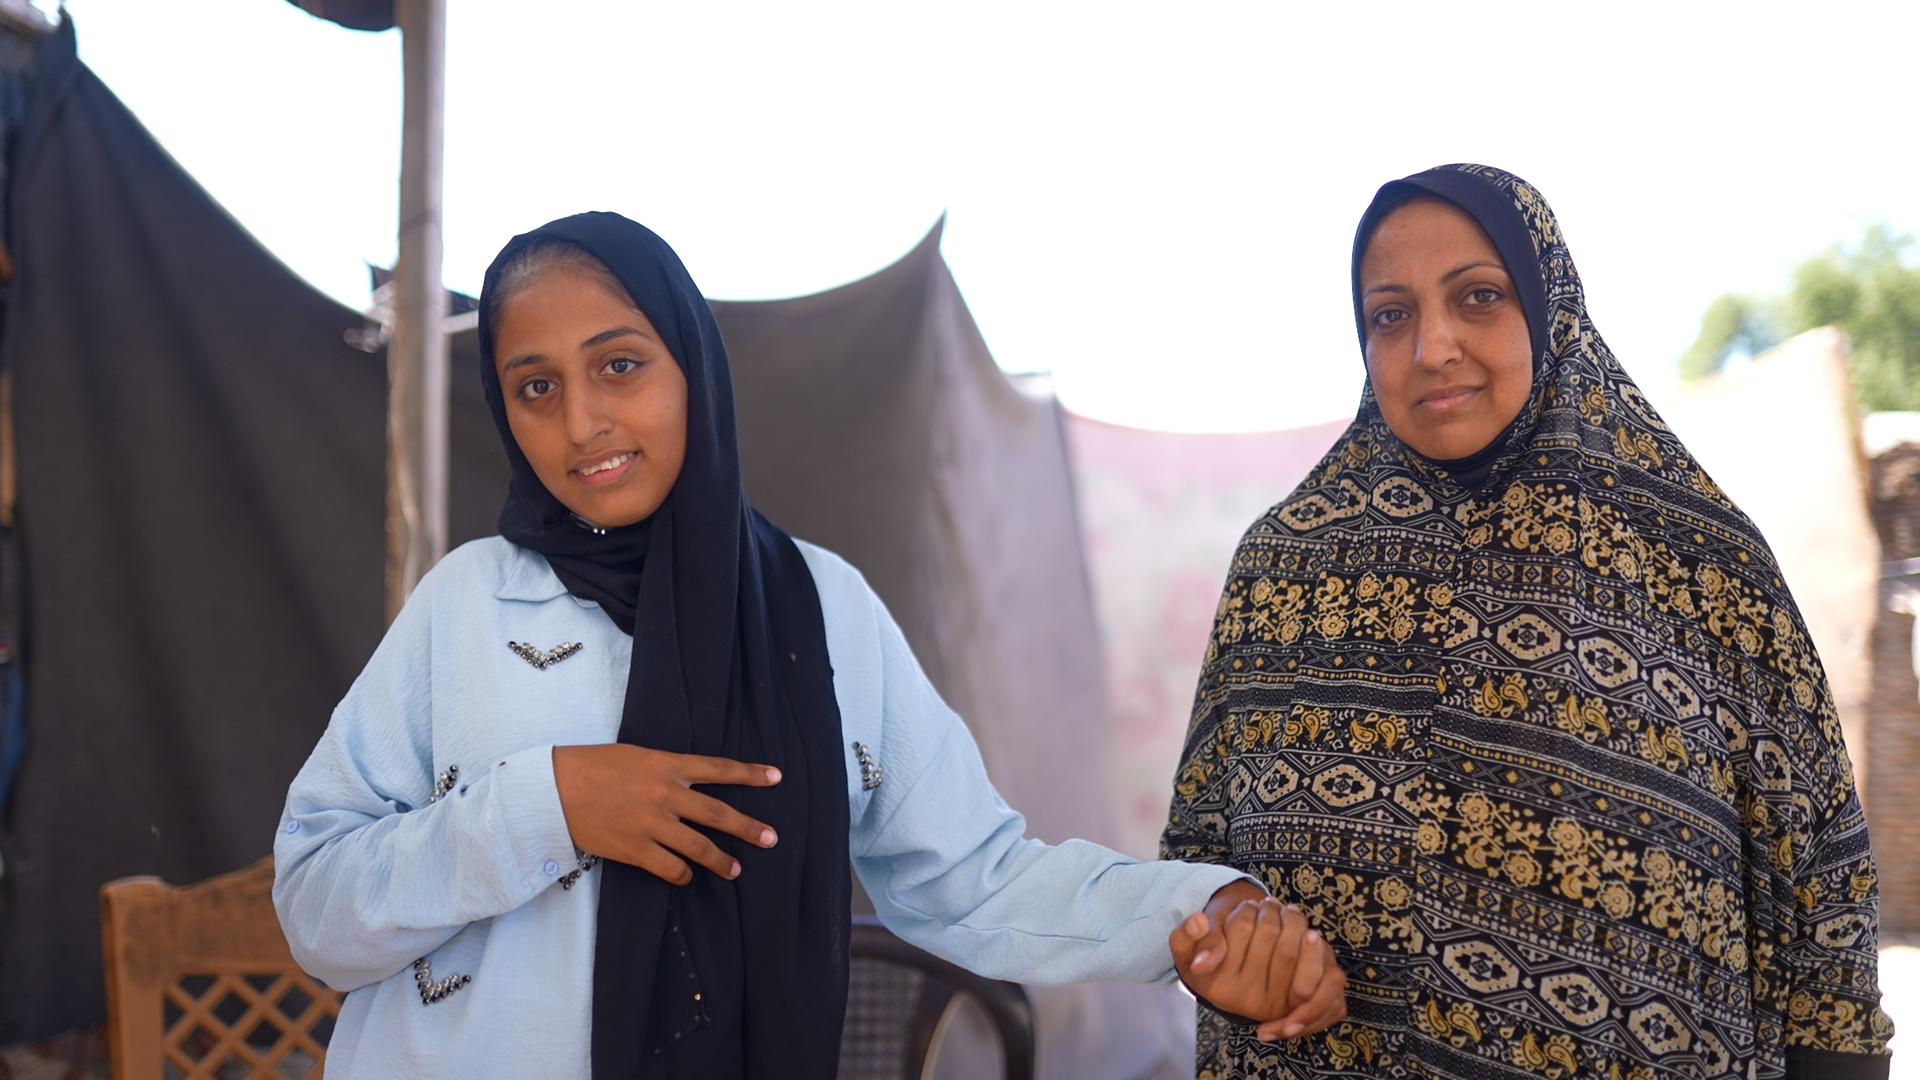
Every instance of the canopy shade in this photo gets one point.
(352, 14)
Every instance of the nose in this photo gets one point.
(1438, 343)
(586, 413)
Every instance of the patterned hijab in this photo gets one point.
(1548, 758)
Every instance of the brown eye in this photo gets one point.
(1386, 317)
(1484, 295)
(621, 365)
(534, 388)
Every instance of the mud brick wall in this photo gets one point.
(1893, 721)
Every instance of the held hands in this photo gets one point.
(1249, 954)
(634, 805)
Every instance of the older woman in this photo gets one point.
(1513, 702)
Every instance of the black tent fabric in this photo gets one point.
(201, 465)
(201, 496)
(200, 476)
(352, 14)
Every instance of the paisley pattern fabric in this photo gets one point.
(1552, 764)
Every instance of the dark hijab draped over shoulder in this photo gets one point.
(716, 979)
(1538, 739)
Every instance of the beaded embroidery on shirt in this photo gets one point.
(544, 660)
(432, 992)
(871, 775)
(583, 863)
(448, 777)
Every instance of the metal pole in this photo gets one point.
(417, 350)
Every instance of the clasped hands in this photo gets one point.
(1250, 954)
(1246, 953)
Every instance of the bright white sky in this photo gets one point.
(1153, 201)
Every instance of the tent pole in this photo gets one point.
(417, 350)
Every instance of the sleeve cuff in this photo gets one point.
(529, 804)
(1192, 895)
(1208, 878)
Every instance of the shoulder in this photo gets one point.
(842, 588)
(488, 569)
(855, 617)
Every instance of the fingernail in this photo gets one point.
(736, 871)
(1291, 1030)
(773, 776)
(1202, 957)
(1196, 924)
(1293, 907)
(1313, 937)
(1269, 1038)
(767, 839)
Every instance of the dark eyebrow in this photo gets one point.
(1384, 288)
(1497, 266)
(600, 338)
(605, 336)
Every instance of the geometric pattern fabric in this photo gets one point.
(1550, 762)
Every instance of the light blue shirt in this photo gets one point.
(376, 871)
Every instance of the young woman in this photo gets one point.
(1513, 702)
(592, 805)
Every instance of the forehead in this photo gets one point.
(1426, 230)
(561, 297)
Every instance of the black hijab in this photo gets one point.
(1508, 231)
(715, 979)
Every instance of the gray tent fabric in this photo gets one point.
(874, 422)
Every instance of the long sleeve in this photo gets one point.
(1830, 973)
(372, 869)
(945, 860)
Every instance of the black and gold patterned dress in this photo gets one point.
(1549, 760)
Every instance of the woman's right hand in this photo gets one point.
(638, 806)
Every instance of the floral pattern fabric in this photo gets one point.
(1551, 762)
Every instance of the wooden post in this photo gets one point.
(417, 350)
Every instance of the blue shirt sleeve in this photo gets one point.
(946, 861)
(373, 867)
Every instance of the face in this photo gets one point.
(594, 397)
(1448, 352)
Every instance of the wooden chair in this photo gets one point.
(200, 983)
(898, 1001)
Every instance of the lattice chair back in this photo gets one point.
(901, 1000)
(200, 983)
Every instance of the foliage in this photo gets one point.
(1733, 325)
(1869, 291)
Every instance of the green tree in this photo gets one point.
(1733, 324)
(1869, 291)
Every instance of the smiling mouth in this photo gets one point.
(1450, 397)
(608, 465)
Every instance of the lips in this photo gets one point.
(1449, 397)
(605, 471)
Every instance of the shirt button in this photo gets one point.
(550, 867)
(292, 827)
